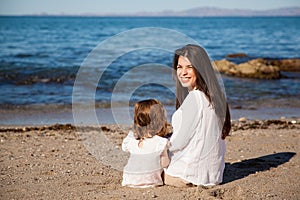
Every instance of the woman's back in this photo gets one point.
(197, 150)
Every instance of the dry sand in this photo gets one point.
(52, 162)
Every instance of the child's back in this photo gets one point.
(148, 151)
(144, 166)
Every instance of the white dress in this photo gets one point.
(196, 148)
(143, 168)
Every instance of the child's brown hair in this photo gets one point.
(149, 119)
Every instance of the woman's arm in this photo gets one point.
(191, 116)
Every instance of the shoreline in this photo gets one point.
(59, 114)
(236, 125)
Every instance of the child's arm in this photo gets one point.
(164, 158)
(126, 141)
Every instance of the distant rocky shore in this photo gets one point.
(240, 124)
(245, 124)
(260, 68)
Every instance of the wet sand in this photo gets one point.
(53, 162)
(51, 114)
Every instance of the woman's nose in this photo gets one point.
(184, 70)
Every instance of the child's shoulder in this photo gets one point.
(130, 134)
(128, 141)
(129, 138)
(161, 141)
(156, 137)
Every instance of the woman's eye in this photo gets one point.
(179, 67)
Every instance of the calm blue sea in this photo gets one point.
(40, 57)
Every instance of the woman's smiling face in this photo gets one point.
(185, 73)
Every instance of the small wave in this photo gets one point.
(55, 79)
(27, 75)
(23, 55)
(29, 55)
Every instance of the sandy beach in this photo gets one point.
(52, 162)
(68, 84)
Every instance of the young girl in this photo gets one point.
(147, 147)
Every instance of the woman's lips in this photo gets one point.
(184, 79)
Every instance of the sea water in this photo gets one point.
(40, 58)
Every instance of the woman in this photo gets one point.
(200, 123)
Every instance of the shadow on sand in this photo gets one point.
(238, 170)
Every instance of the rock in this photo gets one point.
(236, 55)
(225, 66)
(258, 69)
(243, 120)
(252, 69)
(293, 121)
(289, 65)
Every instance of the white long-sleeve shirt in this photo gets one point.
(144, 166)
(196, 148)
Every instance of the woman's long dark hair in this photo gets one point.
(206, 82)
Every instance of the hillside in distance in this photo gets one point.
(214, 11)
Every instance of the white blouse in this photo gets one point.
(143, 168)
(196, 148)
